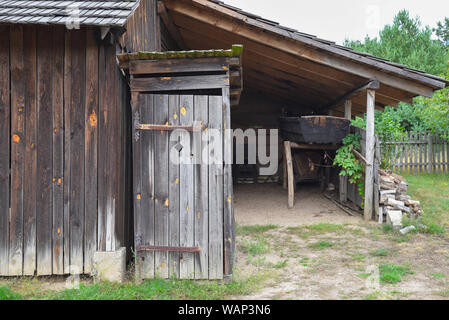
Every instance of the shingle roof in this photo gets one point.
(98, 12)
(329, 45)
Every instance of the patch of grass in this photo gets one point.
(304, 261)
(432, 190)
(255, 247)
(252, 230)
(380, 252)
(390, 273)
(437, 275)
(364, 275)
(7, 294)
(321, 228)
(358, 257)
(321, 245)
(161, 290)
(281, 264)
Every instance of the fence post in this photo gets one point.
(430, 151)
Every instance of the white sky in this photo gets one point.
(339, 19)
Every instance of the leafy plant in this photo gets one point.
(349, 164)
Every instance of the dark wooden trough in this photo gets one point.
(314, 129)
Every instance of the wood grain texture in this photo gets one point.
(161, 182)
(78, 100)
(58, 152)
(215, 188)
(44, 151)
(179, 83)
(186, 202)
(30, 170)
(17, 151)
(4, 146)
(201, 189)
(91, 150)
(67, 148)
(228, 193)
(370, 142)
(173, 178)
(146, 225)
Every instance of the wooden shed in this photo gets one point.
(75, 116)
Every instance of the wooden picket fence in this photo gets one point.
(419, 153)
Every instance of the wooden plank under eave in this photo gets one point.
(228, 194)
(173, 193)
(58, 152)
(202, 82)
(201, 191)
(161, 201)
(215, 64)
(77, 123)
(46, 71)
(91, 150)
(4, 146)
(17, 151)
(186, 202)
(215, 187)
(30, 184)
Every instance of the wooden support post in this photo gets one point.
(284, 171)
(370, 141)
(348, 109)
(430, 152)
(291, 178)
(344, 180)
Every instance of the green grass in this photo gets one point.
(380, 253)
(437, 275)
(253, 230)
(390, 273)
(321, 245)
(316, 229)
(432, 190)
(281, 264)
(255, 247)
(7, 294)
(158, 289)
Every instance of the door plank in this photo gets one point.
(186, 202)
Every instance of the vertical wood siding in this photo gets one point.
(63, 167)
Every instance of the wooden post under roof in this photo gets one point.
(344, 180)
(348, 109)
(370, 142)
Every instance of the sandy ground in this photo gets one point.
(348, 268)
(267, 204)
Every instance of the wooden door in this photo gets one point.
(179, 197)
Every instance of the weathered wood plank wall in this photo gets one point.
(64, 115)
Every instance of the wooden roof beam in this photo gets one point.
(172, 29)
(227, 21)
(372, 84)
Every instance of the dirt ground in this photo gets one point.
(338, 259)
(267, 204)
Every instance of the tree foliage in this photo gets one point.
(407, 42)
